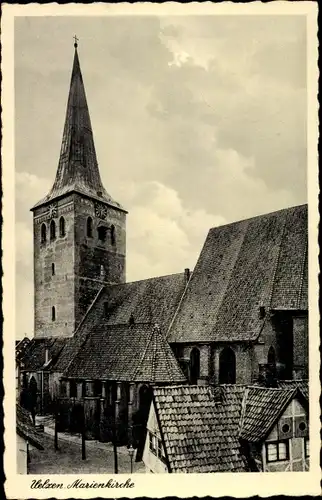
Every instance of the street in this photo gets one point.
(68, 459)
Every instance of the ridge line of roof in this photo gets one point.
(142, 280)
(231, 269)
(298, 302)
(179, 305)
(258, 216)
(143, 355)
(276, 263)
(243, 410)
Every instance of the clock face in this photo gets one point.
(52, 211)
(101, 211)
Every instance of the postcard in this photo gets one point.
(160, 250)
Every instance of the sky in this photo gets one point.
(198, 121)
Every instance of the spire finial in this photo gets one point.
(76, 40)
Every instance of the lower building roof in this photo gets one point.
(131, 353)
(26, 429)
(203, 426)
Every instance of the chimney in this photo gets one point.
(187, 274)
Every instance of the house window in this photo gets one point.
(52, 230)
(113, 234)
(277, 451)
(89, 227)
(102, 231)
(106, 309)
(53, 269)
(307, 447)
(53, 313)
(156, 446)
(43, 233)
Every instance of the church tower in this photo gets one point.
(79, 230)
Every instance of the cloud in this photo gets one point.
(191, 129)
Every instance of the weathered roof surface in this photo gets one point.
(149, 301)
(26, 429)
(203, 426)
(301, 385)
(200, 428)
(21, 346)
(134, 353)
(259, 261)
(34, 356)
(78, 168)
(261, 408)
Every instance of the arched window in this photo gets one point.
(52, 230)
(72, 389)
(53, 269)
(43, 233)
(113, 234)
(89, 227)
(62, 231)
(194, 365)
(53, 313)
(227, 366)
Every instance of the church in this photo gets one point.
(103, 344)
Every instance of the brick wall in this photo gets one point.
(78, 263)
(54, 290)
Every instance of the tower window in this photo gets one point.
(106, 309)
(43, 233)
(62, 231)
(52, 230)
(89, 227)
(53, 269)
(101, 231)
(53, 313)
(113, 234)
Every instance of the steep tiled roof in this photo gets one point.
(200, 427)
(26, 429)
(78, 168)
(21, 346)
(261, 408)
(259, 261)
(134, 353)
(34, 356)
(203, 427)
(301, 385)
(149, 301)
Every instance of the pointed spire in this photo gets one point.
(78, 168)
